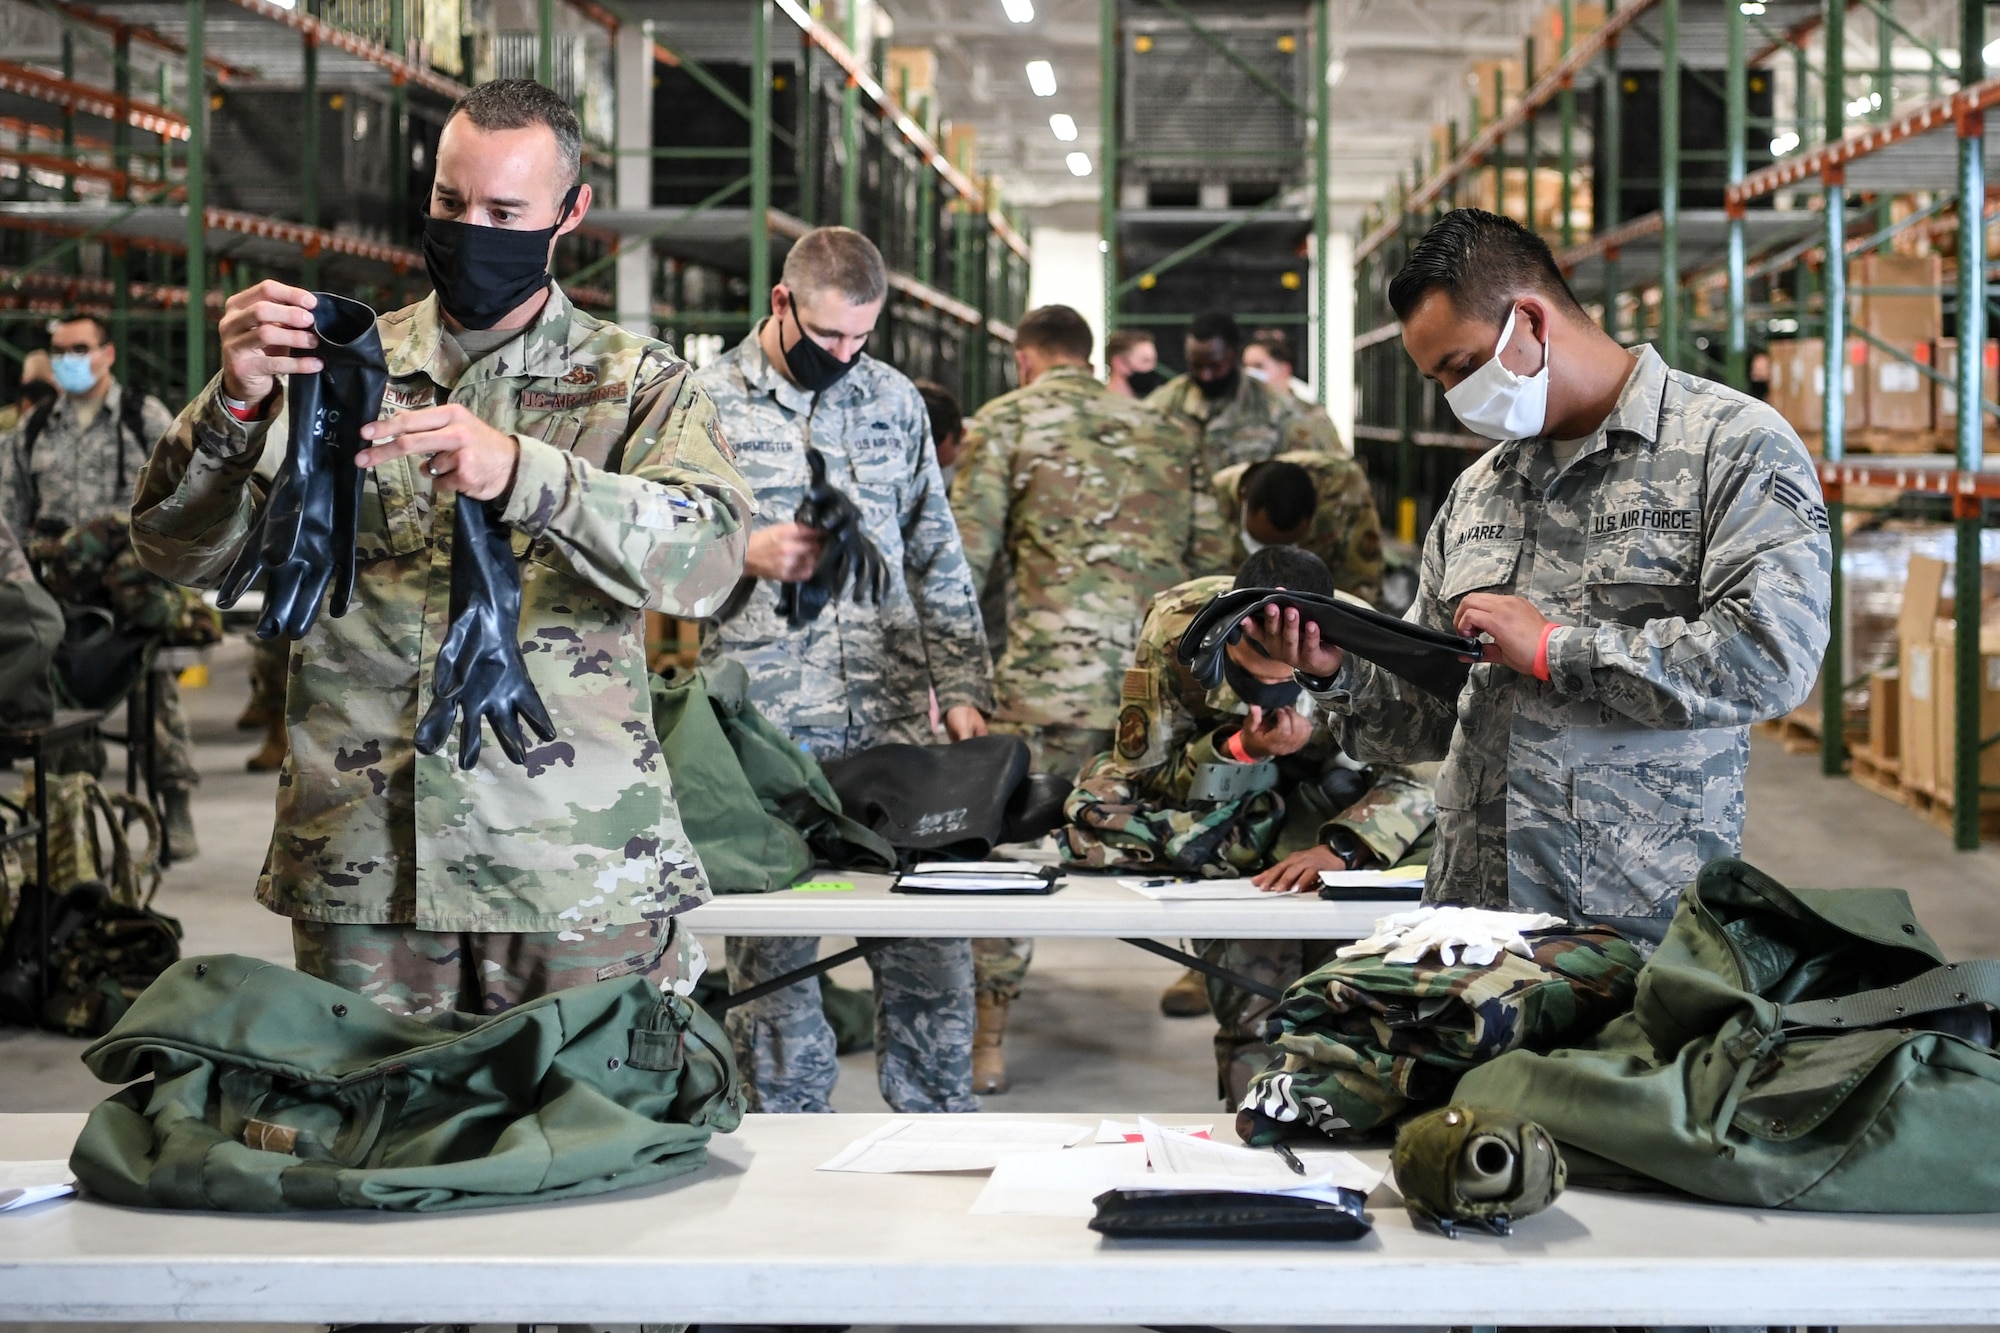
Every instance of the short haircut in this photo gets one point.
(515, 104)
(839, 258)
(1286, 567)
(1483, 263)
(1055, 329)
(1282, 492)
(947, 417)
(1124, 340)
(82, 317)
(1216, 324)
(1277, 344)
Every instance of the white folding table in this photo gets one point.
(759, 1237)
(1088, 905)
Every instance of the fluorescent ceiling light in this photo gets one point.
(1992, 53)
(1079, 164)
(1064, 126)
(1019, 11)
(1336, 70)
(1042, 78)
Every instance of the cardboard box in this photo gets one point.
(1945, 707)
(1901, 316)
(1899, 397)
(1809, 385)
(910, 74)
(1917, 704)
(1885, 735)
(1945, 409)
(1511, 82)
(1548, 32)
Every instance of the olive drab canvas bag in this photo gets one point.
(262, 1089)
(1788, 1048)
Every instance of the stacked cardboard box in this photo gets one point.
(1513, 201)
(1584, 19)
(1508, 76)
(1928, 723)
(1798, 384)
(1945, 401)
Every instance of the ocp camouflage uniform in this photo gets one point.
(1086, 497)
(1365, 1040)
(1346, 532)
(83, 469)
(1143, 805)
(583, 846)
(1684, 552)
(859, 675)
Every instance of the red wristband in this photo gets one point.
(1233, 747)
(1542, 651)
(248, 412)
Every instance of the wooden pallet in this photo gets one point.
(1882, 776)
(1937, 809)
(1798, 731)
(1900, 442)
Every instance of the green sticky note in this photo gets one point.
(824, 886)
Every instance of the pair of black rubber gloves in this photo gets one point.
(846, 555)
(1432, 660)
(304, 539)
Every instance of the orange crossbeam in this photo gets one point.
(91, 100)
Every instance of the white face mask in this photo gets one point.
(1250, 544)
(1261, 375)
(1497, 403)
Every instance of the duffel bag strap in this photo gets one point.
(1947, 987)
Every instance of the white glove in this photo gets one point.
(1477, 935)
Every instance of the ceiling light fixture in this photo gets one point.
(1042, 78)
(1019, 11)
(1079, 164)
(1064, 126)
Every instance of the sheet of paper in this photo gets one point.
(24, 1183)
(951, 1143)
(1059, 1184)
(1171, 1153)
(1124, 1131)
(1196, 890)
(1400, 877)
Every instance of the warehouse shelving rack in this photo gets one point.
(1835, 180)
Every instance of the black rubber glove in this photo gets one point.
(480, 672)
(303, 539)
(1432, 660)
(847, 555)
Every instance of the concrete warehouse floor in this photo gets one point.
(1088, 1033)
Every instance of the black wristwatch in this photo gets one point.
(1345, 844)
(1313, 684)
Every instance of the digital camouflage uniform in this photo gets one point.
(859, 675)
(1139, 806)
(1346, 532)
(1085, 496)
(1684, 550)
(583, 846)
(78, 471)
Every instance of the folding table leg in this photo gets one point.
(1206, 968)
(861, 949)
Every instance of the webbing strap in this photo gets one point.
(1948, 987)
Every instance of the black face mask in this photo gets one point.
(1221, 387)
(1257, 693)
(1144, 382)
(812, 367)
(483, 273)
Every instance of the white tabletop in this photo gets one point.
(758, 1236)
(1086, 906)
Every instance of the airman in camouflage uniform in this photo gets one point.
(859, 675)
(1354, 1061)
(1346, 532)
(416, 883)
(1084, 497)
(1161, 800)
(1652, 585)
(1248, 425)
(74, 461)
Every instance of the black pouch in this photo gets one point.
(1227, 1215)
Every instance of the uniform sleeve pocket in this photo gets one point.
(1478, 568)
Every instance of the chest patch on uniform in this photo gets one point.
(1794, 497)
(1644, 520)
(579, 375)
(541, 400)
(1133, 733)
(1480, 532)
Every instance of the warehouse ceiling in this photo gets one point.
(1401, 66)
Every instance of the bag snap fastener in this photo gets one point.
(612, 1063)
(1909, 929)
(340, 1011)
(201, 969)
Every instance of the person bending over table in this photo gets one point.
(1646, 552)
(1230, 781)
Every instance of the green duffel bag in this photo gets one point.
(1788, 1048)
(266, 1090)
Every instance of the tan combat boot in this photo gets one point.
(989, 1064)
(1187, 997)
(272, 757)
